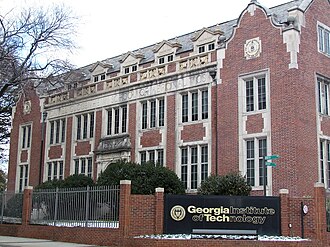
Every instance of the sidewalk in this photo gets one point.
(6, 241)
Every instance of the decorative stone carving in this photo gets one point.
(27, 107)
(114, 144)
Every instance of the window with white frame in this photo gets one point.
(194, 165)
(26, 136)
(255, 93)
(85, 126)
(117, 120)
(323, 95)
(324, 167)
(99, 77)
(155, 156)
(23, 179)
(83, 165)
(153, 113)
(206, 47)
(165, 59)
(57, 131)
(324, 39)
(130, 69)
(256, 150)
(55, 170)
(194, 105)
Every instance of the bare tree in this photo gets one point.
(32, 42)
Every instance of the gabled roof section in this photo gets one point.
(137, 55)
(215, 31)
(174, 44)
(101, 64)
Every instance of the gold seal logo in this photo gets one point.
(178, 213)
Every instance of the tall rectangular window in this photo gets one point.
(153, 113)
(83, 165)
(26, 136)
(194, 165)
(194, 108)
(57, 131)
(324, 39)
(324, 163)
(323, 95)
(23, 179)
(185, 108)
(194, 105)
(184, 166)
(55, 170)
(256, 149)
(85, 126)
(155, 156)
(255, 93)
(205, 104)
(117, 120)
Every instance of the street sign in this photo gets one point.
(270, 164)
(272, 157)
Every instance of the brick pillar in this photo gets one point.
(27, 205)
(159, 210)
(320, 211)
(284, 201)
(125, 208)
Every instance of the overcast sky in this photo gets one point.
(109, 28)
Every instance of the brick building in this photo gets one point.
(207, 102)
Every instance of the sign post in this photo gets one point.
(268, 162)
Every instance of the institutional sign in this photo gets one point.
(188, 213)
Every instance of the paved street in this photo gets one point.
(23, 242)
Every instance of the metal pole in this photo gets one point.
(302, 219)
(56, 206)
(265, 174)
(87, 207)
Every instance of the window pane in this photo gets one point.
(205, 104)
(83, 166)
(161, 112)
(143, 157)
(185, 108)
(49, 172)
(91, 125)
(249, 96)
(85, 116)
(184, 168)
(24, 137)
(326, 99)
(261, 93)
(194, 103)
(63, 131)
(90, 167)
(160, 158)
(322, 161)
(109, 127)
(124, 119)
(116, 120)
(76, 166)
(57, 131)
(51, 137)
(152, 114)
(144, 115)
(250, 162)
(28, 141)
(152, 156)
(61, 171)
(204, 165)
(262, 154)
(321, 38)
(55, 170)
(78, 127)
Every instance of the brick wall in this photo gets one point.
(144, 214)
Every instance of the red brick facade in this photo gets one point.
(144, 214)
(199, 112)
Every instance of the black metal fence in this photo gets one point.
(85, 207)
(327, 201)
